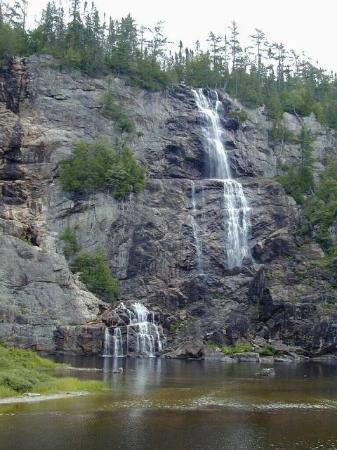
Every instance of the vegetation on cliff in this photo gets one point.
(298, 179)
(319, 199)
(260, 73)
(321, 212)
(97, 166)
(24, 371)
(95, 273)
(112, 109)
(92, 266)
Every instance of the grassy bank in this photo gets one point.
(24, 371)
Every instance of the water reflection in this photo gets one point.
(180, 405)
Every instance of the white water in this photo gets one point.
(147, 332)
(118, 343)
(115, 350)
(107, 343)
(235, 209)
(196, 230)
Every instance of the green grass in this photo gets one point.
(329, 308)
(24, 371)
(238, 347)
(68, 384)
(268, 350)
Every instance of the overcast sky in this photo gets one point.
(304, 25)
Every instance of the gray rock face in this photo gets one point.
(38, 294)
(149, 237)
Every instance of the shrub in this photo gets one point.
(280, 133)
(148, 74)
(71, 246)
(268, 350)
(114, 111)
(321, 209)
(238, 347)
(97, 166)
(95, 273)
(299, 178)
(239, 114)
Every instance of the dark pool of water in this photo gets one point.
(182, 405)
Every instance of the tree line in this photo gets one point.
(261, 73)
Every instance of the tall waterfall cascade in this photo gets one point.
(140, 335)
(235, 205)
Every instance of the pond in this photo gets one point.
(181, 405)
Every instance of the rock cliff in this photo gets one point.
(277, 296)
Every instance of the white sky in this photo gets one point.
(304, 25)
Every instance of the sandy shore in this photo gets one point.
(34, 398)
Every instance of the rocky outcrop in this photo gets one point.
(44, 111)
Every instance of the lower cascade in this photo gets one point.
(139, 334)
(236, 220)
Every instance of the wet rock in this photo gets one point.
(250, 357)
(149, 237)
(267, 372)
(189, 350)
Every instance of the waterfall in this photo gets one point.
(196, 229)
(137, 333)
(235, 206)
(107, 343)
(148, 339)
(117, 343)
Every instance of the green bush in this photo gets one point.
(239, 114)
(114, 111)
(298, 181)
(321, 209)
(12, 41)
(268, 350)
(71, 246)
(238, 347)
(148, 74)
(280, 133)
(97, 166)
(22, 379)
(95, 273)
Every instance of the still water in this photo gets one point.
(183, 405)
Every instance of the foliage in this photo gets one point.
(93, 267)
(321, 209)
(113, 110)
(12, 41)
(24, 371)
(260, 73)
(239, 114)
(173, 327)
(238, 347)
(16, 357)
(281, 134)
(71, 246)
(95, 273)
(148, 74)
(97, 166)
(298, 181)
(268, 350)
